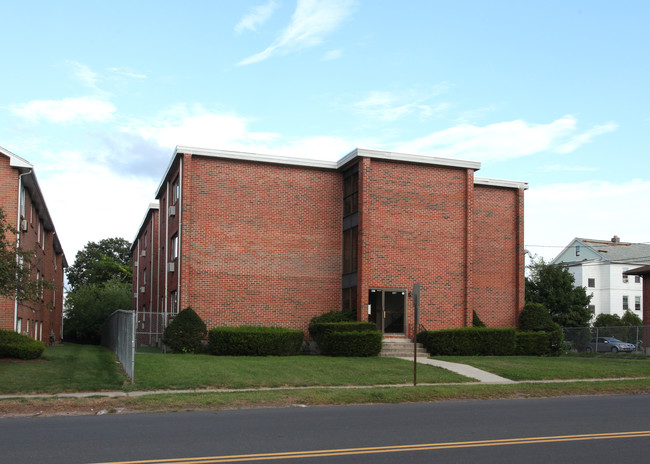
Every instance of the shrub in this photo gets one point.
(352, 343)
(255, 341)
(335, 316)
(536, 318)
(469, 341)
(185, 332)
(15, 345)
(540, 343)
(476, 321)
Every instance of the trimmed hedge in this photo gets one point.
(15, 345)
(540, 343)
(469, 341)
(353, 343)
(254, 341)
(346, 338)
(185, 332)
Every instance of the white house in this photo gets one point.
(599, 265)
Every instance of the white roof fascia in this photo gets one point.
(312, 163)
(153, 205)
(501, 183)
(15, 160)
(395, 156)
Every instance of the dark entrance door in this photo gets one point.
(387, 309)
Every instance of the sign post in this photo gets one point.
(416, 323)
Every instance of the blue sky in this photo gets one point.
(555, 93)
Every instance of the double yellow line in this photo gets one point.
(389, 449)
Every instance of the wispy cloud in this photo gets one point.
(587, 136)
(67, 110)
(312, 21)
(388, 106)
(565, 168)
(256, 16)
(332, 55)
(84, 74)
(128, 72)
(505, 140)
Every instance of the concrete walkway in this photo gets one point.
(464, 369)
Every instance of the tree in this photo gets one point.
(100, 281)
(88, 306)
(554, 287)
(17, 279)
(101, 262)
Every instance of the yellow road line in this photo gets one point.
(388, 449)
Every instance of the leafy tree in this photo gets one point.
(608, 320)
(88, 306)
(554, 287)
(631, 319)
(17, 279)
(100, 281)
(101, 262)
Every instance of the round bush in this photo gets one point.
(15, 345)
(185, 332)
(536, 318)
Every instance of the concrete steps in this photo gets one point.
(393, 347)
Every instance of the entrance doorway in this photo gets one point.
(387, 309)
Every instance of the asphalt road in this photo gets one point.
(612, 429)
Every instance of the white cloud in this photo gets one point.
(90, 202)
(310, 23)
(332, 55)
(84, 74)
(555, 214)
(505, 140)
(586, 137)
(80, 109)
(256, 16)
(387, 106)
(565, 168)
(128, 72)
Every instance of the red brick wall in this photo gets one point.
(9, 203)
(499, 255)
(48, 310)
(261, 243)
(413, 228)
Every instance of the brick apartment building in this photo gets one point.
(250, 239)
(25, 209)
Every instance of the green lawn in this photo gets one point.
(562, 368)
(180, 371)
(63, 368)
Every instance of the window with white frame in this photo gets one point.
(626, 304)
(637, 303)
(625, 278)
(591, 283)
(173, 252)
(173, 302)
(637, 279)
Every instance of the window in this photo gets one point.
(350, 244)
(174, 248)
(176, 190)
(173, 302)
(625, 279)
(351, 194)
(637, 303)
(591, 283)
(19, 325)
(637, 279)
(350, 298)
(577, 250)
(592, 309)
(626, 305)
(144, 277)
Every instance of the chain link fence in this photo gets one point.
(118, 335)
(149, 329)
(580, 339)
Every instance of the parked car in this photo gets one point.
(607, 344)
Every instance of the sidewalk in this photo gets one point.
(464, 369)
